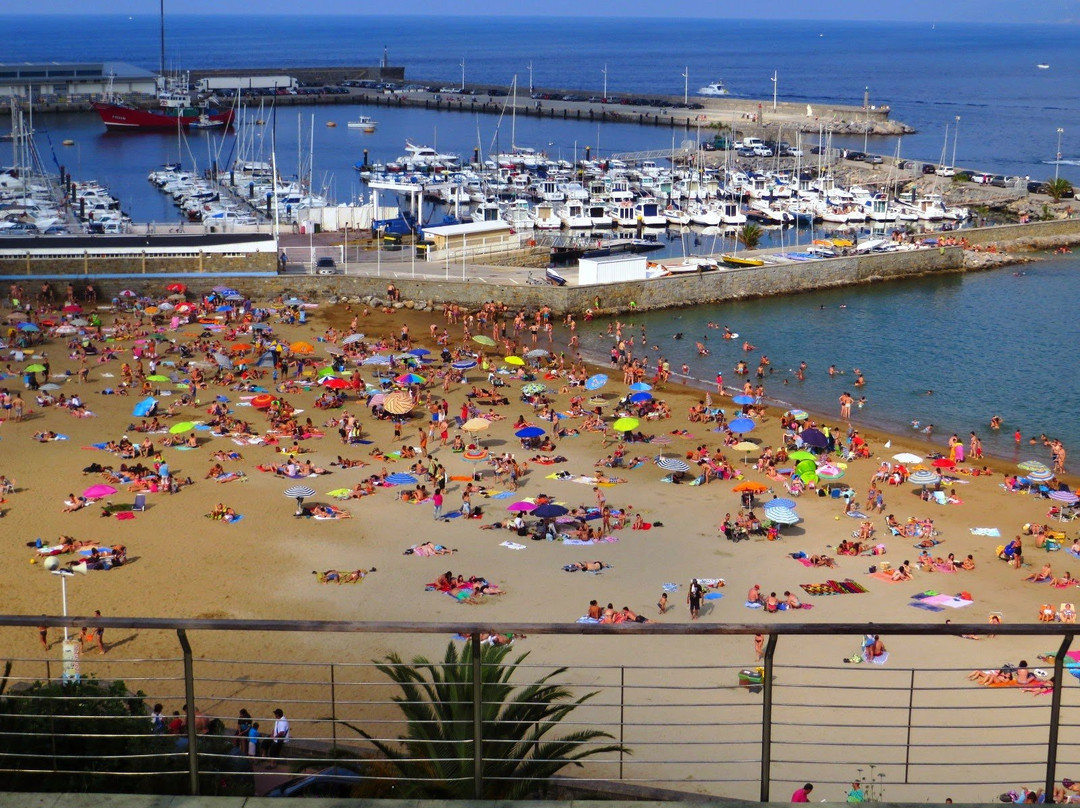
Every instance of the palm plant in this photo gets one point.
(1058, 188)
(750, 235)
(435, 757)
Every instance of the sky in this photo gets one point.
(1003, 11)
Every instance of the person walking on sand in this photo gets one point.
(802, 794)
(693, 599)
(662, 604)
(437, 502)
(759, 647)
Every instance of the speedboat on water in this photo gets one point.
(716, 88)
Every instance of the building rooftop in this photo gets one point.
(69, 71)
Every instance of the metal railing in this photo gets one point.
(680, 724)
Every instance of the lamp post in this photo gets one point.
(604, 71)
(774, 86)
(955, 137)
(530, 79)
(346, 248)
(463, 74)
(71, 649)
(686, 85)
(1057, 162)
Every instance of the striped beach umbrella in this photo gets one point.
(400, 478)
(781, 514)
(1032, 465)
(467, 364)
(1040, 476)
(676, 464)
(923, 477)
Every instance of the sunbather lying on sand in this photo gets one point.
(586, 566)
(341, 577)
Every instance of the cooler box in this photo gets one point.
(752, 677)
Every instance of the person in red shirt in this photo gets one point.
(802, 794)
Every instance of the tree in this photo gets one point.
(434, 760)
(1058, 188)
(750, 235)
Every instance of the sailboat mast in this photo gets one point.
(162, 23)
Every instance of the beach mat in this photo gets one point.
(845, 587)
(927, 607)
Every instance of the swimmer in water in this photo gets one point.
(832, 370)
(679, 335)
(995, 422)
(861, 402)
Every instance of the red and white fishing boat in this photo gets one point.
(176, 108)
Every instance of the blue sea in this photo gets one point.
(986, 344)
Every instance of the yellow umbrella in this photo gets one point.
(625, 424)
(398, 403)
(476, 425)
(514, 360)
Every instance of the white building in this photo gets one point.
(61, 81)
(472, 240)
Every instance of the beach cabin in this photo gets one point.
(611, 269)
(471, 240)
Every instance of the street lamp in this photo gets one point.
(774, 86)
(530, 79)
(463, 74)
(604, 71)
(346, 248)
(686, 85)
(70, 648)
(1057, 162)
(955, 137)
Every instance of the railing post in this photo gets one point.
(1055, 716)
(622, 716)
(766, 718)
(478, 719)
(333, 708)
(189, 697)
(910, 710)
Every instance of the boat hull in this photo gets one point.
(123, 117)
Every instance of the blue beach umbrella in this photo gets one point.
(781, 502)
(740, 425)
(641, 387)
(401, 478)
(549, 511)
(420, 352)
(742, 399)
(637, 398)
(530, 432)
(28, 327)
(467, 364)
(814, 437)
(596, 382)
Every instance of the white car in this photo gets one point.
(945, 171)
(762, 151)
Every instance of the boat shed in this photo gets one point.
(612, 269)
(67, 81)
(470, 240)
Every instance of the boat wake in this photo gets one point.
(1065, 161)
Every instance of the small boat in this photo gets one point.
(739, 261)
(1043, 67)
(331, 124)
(716, 88)
(206, 122)
(363, 123)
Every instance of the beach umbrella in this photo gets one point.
(530, 432)
(49, 387)
(781, 502)
(522, 507)
(28, 327)
(421, 352)
(476, 425)
(517, 361)
(410, 378)
(261, 327)
(183, 426)
(745, 447)
(1032, 465)
(781, 514)
(349, 340)
(98, 491)
(325, 371)
(301, 347)
(144, 407)
(34, 368)
(466, 364)
(804, 466)
(533, 387)
(641, 387)
(830, 472)
(223, 360)
(17, 315)
(661, 440)
(675, 464)
(923, 477)
(266, 360)
(1065, 498)
(262, 401)
(1040, 476)
(625, 424)
(740, 425)
(72, 308)
(596, 382)
(398, 403)
(299, 493)
(802, 454)
(483, 339)
(377, 399)
(126, 293)
(401, 478)
(743, 399)
(751, 486)
(80, 322)
(943, 463)
(814, 437)
(157, 377)
(549, 510)
(799, 415)
(178, 288)
(377, 359)
(235, 298)
(809, 477)
(907, 457)
(638, 398)
(240, 347)
(151, 310)
(538, 353)
(334, 383)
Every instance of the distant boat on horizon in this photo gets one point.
(716, 88)
(1043, 66)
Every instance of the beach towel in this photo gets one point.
(927, 607)
(588, 620)
(881, 660)
(1072, 552)
(884, 576)
(948, 601)
(229, 477)
(714, 595)
(845, 587)
(711, 583)
(752, 605)
(513, 545)
(806, 562)
(669, 587)
(124, 515)
(587, 542)
(857, 515)
(985, 531)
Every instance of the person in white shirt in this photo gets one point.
(281, 733)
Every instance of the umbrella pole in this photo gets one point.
(299, 506)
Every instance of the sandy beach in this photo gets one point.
(182, 563)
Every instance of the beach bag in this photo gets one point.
(873, 569)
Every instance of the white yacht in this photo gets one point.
(573, 216)
(716, 88)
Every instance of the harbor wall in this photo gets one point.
(1032, 233)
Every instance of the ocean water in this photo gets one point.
(986, 344)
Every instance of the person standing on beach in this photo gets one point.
(759, 647)
(437, 502)
(693, 599)
(802, 794)
(280, 735)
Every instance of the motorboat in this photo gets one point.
(363, 123)
(716, 88)
(647, 211)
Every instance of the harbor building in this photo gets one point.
(67, 81)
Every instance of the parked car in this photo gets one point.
(999, 181)
(945, 171)
(874, 159)
(336, 781)
(929, 168)
(762, 151)
(327, 266)
(856, 156)
(981, 179)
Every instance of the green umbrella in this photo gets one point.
(809, 477)
(34, 368)
(804, 466)
(484, 339)
(157, 377)
(326, 371)
(625, 424)
(183, 426)
(802, 454)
